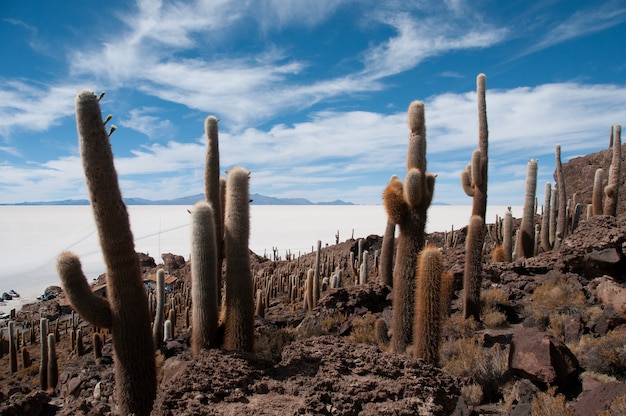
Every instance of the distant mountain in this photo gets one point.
(257, 199)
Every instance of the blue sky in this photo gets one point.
(311, 95)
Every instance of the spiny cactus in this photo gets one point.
(53, 367)
(96, 343)
(612, 187)
(380, 332)
(427, 307)
(204, 271)
(526, 244)
(12, 348)
(474, 182)
(239, 323)
(43, 364)
(214, 192)
(406, 205)
(316, 278)
(507, 235)
(561, 222)
(157, 326)
(473, 267)
(598, 191)
(545, 219)
(126, 311)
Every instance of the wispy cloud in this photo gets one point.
(140, 119)
(592, 19)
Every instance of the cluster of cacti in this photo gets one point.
(126, 310)
(474, 182)
(406, 205)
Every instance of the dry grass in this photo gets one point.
(459, 327)
(466, 357)
(617, 407)
(556, 298)
(606, 355)
(363, 330)
(549, 404)
(472, 394)
(270, 342)
(491, 317)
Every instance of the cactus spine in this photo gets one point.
(474, 182)
(157, 327)
(204, 271)
(239, 323)
(406, 205)
(526, 244)
(126, 311)
(427, 308)
(612, 187)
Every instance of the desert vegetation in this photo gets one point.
(473, 321)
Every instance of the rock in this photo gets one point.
(598, 398)
(612, 294)
(541, 357)
(97, 391)
(145, 261)
(521, 397)
(172, 262)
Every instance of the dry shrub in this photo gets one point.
(560, 297)
(472, 394)
(495, 319)
(332, 323)
(549, 404)
(456, 326)
(606, 355)
(270, 342)
(363, 329)
(466, 357)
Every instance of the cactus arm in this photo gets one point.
(466, 181)
(412, 192)
(393, 197)
(91, 307)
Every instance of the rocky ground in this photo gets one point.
(551, 340)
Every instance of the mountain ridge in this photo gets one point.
(257, 199)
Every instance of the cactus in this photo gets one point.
(214, 193)
(553, 216)
(380, 332)
(447, 292)
(473, 267)
(239, 323)
(308, 290)
(598, 190)
(363, 276)
(612, 188)
(406, 205)
(12, 348)
(474, 182)
(526, 244)
(96, 343)
(561, 223)
(426, 332)
(545, 219)
(497, 255)
(43, 364)
(80, 348)
(260, 304)
(126, 310)
(157, 326)
(204, 281)
(53, 367)
(168, 332)
(316, 278)
(507, 235)
(26, 362)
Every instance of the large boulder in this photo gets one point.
(541, 357)
(612, 294)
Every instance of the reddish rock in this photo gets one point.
(541, 357)
(598, 397)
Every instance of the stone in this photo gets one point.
(598, 398)
(541, 357)
(612, 294)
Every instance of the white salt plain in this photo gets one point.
(31, 237)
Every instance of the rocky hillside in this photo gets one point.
(550, 341)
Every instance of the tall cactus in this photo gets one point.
(612, 187)
(126, 311)
(204, 271)
(213, 185)
(474, 182)
(43, 363)
(407, 206)
(598, 191)
(507, 235)
(386, 254)
(53, 366)
(239, 322)
(526, 244)
(157, 326)
(545, 219)
(12, 348)
(561, 223)
(427, 327)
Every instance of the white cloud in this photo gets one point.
(152, 126)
